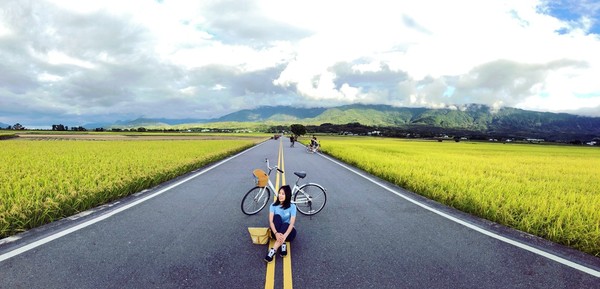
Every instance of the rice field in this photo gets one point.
(6, 135)
(42, 181)
(546, 190)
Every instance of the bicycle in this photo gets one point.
(309, 198)
(313, 149)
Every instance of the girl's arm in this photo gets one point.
(289, 230)
(271, 224)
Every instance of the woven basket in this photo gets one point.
(262, 179)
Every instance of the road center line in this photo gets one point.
(550, 256)
(270, 278)
(277, 173)
(287, 261)
(283, 182)
(270, 274)
(287, 268)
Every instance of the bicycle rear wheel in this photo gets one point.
(255, 200)
(310, 199)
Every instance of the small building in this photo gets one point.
(534, 140)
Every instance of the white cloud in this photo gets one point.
(4, 31)
(218, 87)
(189, 91)
(47, 77)
(102, 57)
(449, 41)
(57, 58)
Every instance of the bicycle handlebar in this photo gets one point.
(274, 167)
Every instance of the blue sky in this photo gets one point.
(578, 13)
(76, 62)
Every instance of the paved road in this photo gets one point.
(190, 233)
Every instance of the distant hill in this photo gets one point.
(143, 122)
(160, 121)
(265, 113)
(3, 125)
(272, 113)
(468, 118)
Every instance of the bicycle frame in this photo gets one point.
(303, 195)
(295, 189)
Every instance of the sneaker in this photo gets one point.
(270, 255)
(283, 252)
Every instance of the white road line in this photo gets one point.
(65, 232)
(478, 229)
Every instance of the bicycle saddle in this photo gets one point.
(301, 174)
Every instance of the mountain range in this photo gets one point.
(472, 117)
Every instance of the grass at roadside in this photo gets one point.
(42, 181)
(549, 191)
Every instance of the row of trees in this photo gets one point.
(422, 131)
(60, 127)
(17, 126)
(355, 128)
(55, 127)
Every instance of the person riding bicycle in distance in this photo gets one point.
(314, 144)
(282, 217)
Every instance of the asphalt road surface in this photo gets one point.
(191, 233)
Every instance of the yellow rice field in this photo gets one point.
(42, 181)
(547, 190)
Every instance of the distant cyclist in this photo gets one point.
(314, 144)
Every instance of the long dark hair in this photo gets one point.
(288, 197)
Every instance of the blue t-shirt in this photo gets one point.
(286, 214)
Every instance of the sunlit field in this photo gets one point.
(547, 190)
(6, 134)
(144, 134)
(42, 181)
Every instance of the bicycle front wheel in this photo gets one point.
(310, 199)
(255, 200)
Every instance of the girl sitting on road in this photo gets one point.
(282, 216)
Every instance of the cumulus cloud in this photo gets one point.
(500, 53)
(87, 61)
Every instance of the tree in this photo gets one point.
(298, 129)
(277, 129)
(18, 126)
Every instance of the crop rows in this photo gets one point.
(42, 181)
(549, 191)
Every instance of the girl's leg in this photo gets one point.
(283, 227)
(278, 225)
(292, 235)
(277, 222)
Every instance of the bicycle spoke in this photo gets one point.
(255, 200)
(310, 199)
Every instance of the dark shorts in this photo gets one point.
(282, 228)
